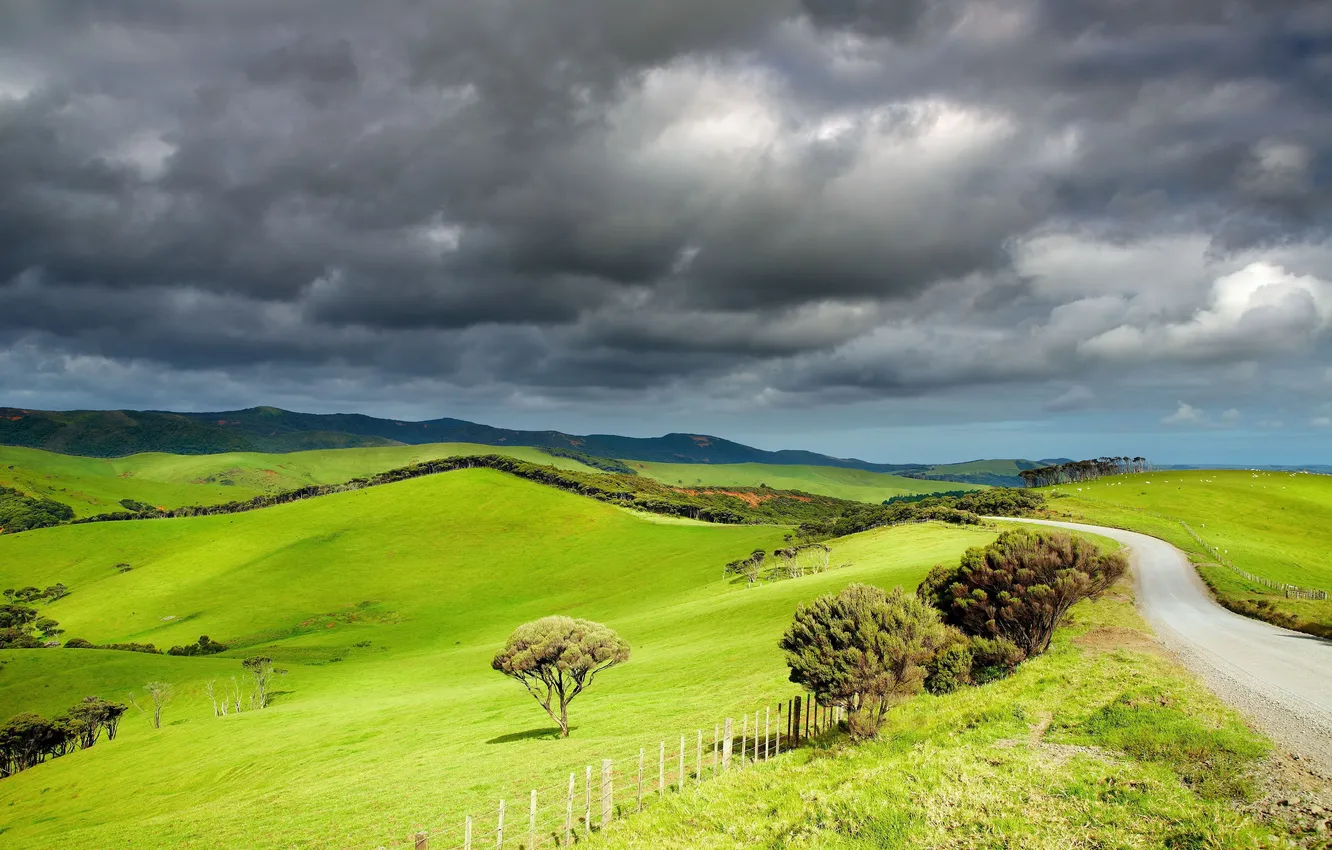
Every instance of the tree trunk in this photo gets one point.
(563, 720)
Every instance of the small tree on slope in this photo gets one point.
(556, 659)
(863, 650)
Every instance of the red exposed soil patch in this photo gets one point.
(702, 441)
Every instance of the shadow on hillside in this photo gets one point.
(531, 734)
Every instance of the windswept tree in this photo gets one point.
(262, 669)
(556, 659)
(89, 718)
(156, 697)
(1020, 586)
(863, 650)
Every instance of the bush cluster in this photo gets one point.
(203, 646)
(80, 643)
(862, 649)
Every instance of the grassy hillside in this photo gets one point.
(854, 484)
(386, 605)
(96, 485)
(1102, 742)
(1274, 524)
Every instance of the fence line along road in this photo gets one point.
(565, 814)
(1290, 591)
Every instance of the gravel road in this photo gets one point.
(1280, 679)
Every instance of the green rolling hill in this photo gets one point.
(385, 606)
(1275, 524)
(853, 484)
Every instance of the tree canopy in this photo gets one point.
(1021, 585)
(863, 649)
(556, 659)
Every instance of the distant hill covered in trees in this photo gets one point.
(115, 433)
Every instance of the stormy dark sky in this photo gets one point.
(899, 230)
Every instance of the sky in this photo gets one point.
(905, 231)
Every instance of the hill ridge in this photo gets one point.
(117, 433)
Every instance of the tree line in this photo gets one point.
(28, 739)
(1084, 470)
(20, 512)
(731, 505)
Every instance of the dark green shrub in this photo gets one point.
(204, 646)
(79, 643)
(1021, 586)
(994, 658)
(950, 670)
(862, 650)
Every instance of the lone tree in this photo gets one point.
(862, 650)
(1020, 586)
(158, 694)
(556, 659)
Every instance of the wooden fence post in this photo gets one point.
(767, 740)
(726, 746)
(422, 841)
(795, 722)
(640, 779)
(607, 792)
(682, 765)
(756, 740)
(744, 738)
(661, 770)
(587, 788)
(568, 814)
(778, 731)
(467, 833)
(698, 758)
(499, 828)
(716, 742)
(531, 822)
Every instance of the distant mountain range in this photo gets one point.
(114, 433)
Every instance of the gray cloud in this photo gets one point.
(762, 203)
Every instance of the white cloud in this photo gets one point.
(1260, 309)
(1321, 422)
(1231, 415)
(1186, 414)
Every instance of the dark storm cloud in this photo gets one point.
(762, 199)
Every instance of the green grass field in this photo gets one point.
(1275, 524)
(1102, 742)
(96, 485)
(386, 605)
(854, 484)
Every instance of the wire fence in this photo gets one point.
(1290, 591)
(595, 795)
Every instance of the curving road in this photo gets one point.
(1281, 679)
